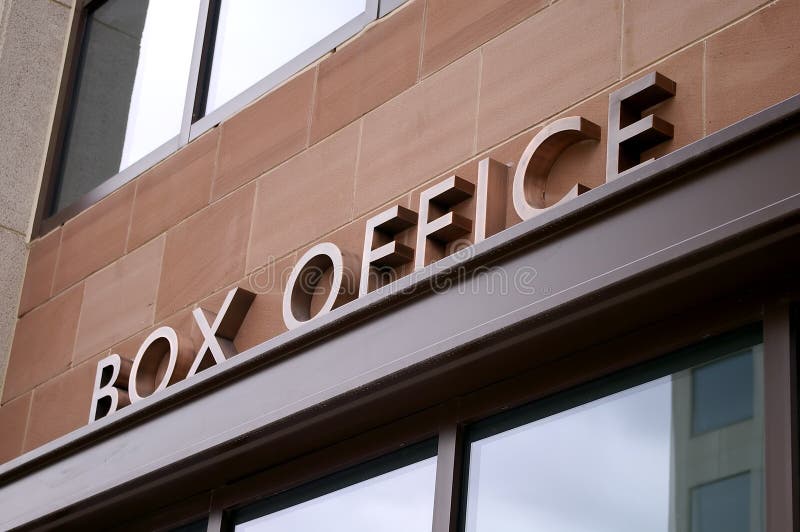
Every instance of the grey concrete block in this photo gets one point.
(13, 257)
(33, 34)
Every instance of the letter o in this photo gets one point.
(163, 340)
(296, 299)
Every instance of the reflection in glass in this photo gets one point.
(130, 89)
(628, 462)
(256, 37)
(722, 393)
(722, 505)
(396, 501)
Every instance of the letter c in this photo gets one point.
(540, 155)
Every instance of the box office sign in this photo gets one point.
(160, 360)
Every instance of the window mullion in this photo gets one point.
(779, 423)
(215, 521)
(199, 56)
(448, 477)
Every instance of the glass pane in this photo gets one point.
(722, 505)
(722, 393)
(130, 89)
(626, 462)
(256, 37)
(397, 501)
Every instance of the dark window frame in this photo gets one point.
(194, 123)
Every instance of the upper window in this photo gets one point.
(257, 37)
(129, 89)
(144, 77)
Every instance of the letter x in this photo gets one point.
(218, 337)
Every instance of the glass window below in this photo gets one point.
(388, 495)
(722, 505)
(722, 392)
(625, 456)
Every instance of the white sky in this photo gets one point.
(255, 37)
(398, 501)
(159, 90)
(603, 467)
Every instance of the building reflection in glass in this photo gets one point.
(682, 453)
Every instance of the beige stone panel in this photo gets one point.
(39, 271)
(264, 134)
(551, 61)
(655, 28)
(175, 189)
(61, 405)
(119, 300)
(205, 252)
(305, 198)
(454, 28)
(753, 65)
(94, 238)
(43, 343)
(419, 134)
(13, 423)
(368, 71)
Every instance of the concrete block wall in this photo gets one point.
(419, 95)
(32, 40)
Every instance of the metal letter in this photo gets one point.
(150, 361)
(490, 218)
(218, 337)
(382, 227)
(309, 271)
(540, 155)
(628, 133)
(107, 397)
(447, 227)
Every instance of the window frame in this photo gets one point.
(193, 123)
(511, 403)
(695, 354)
